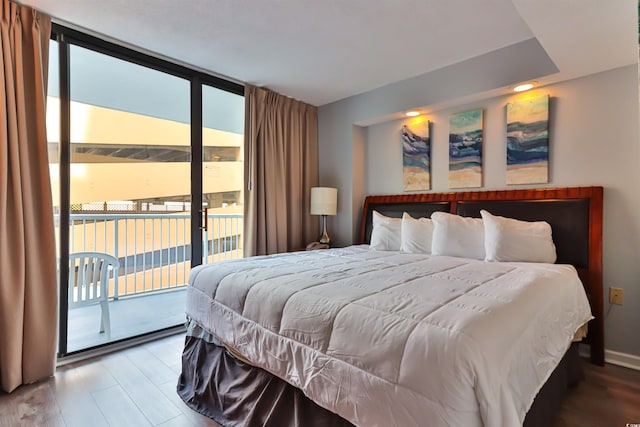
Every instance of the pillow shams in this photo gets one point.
(508, 239)
(386, 233)
(493, 238)
(454, 235)
(416, 234)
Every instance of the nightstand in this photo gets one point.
(317, 245)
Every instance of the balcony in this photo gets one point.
(131, 316)
(148, 290)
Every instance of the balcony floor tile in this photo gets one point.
(129, 317)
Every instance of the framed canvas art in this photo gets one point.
(465, 149)
(416, 156)
(528, 141)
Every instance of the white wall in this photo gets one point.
(594, 140)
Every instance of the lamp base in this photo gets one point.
(324, 238)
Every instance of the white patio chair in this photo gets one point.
(89, 274)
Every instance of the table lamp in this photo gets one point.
(324, 201)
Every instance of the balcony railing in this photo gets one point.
(154, 250)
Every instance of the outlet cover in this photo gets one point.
(616, 296)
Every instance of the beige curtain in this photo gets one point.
(28, 285)
(281, 166)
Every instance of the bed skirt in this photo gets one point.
(233, 393)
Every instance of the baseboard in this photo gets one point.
(615, 357)
(622, 359)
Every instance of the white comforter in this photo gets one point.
(396, 339)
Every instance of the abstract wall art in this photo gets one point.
(416, 156)
(465, 149)
(528, 141)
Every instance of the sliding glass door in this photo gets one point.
(122, 145)
(129, 192)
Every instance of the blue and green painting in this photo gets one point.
(465, 149)
(528, 141)
(416, 153)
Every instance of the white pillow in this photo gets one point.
(508, 239)
(386, 233)
(454, 235)
(416, 234)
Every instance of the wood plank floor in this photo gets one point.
(609, 396)
(137, 387)
(134, 387)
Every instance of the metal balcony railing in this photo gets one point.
(154, 250)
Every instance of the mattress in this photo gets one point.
(396, 339)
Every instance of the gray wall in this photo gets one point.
(594, 140)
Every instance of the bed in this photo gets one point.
(349, 336)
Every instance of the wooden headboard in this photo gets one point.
(575, 215)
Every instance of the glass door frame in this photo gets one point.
(65, 37)
(197, 214)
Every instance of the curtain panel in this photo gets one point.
(28, 285)
(281, 166)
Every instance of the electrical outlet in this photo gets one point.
(616, 295)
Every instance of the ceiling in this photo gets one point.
(324, 51)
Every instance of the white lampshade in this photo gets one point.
(324, 200)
